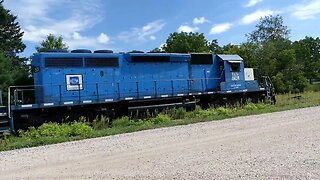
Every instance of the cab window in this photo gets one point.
(234, 67)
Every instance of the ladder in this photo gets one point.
(271, 95)
(4, 120)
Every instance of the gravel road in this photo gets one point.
(282, 145)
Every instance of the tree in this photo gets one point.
(52, 43)
(278, 81)
(13, 70)
(10, 33)
(270, 28)
(275, 56)
(156, 50)
(186, 42)
(308, 56)
(246, 50)
(214, 47)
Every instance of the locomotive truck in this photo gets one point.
(85, 83)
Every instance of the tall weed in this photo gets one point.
(174, 113)
(101, 122)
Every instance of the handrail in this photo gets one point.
(1, 103)
(162, 80)
(135, 89)
(9, 103)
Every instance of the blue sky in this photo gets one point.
(123, 25)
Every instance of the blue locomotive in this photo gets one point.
(81, 83)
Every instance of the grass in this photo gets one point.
(51, 133)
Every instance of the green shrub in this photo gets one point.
(79, 129)
(195, 113)
(141, 122)
(122, 122)
(58, 130)
(197, 109)
(262, 105)
(30, 133)
(313, 87)
(161, 119)
(250, 106)
(278, 82)
(224, 111)
(207, 112)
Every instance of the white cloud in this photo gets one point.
(79, 41)
(103, 38)
(307, 10)
(253, 17)
(28, 11)
(63, 18)
(153, 38)
(220, 28)
(143, 33)
(200, 20)
(252, 3)
(76, 36)
(187, 29)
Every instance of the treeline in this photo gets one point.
(290, 64)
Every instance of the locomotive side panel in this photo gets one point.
(67, 77)
(101, 76)
(204, 73)
(150, 76)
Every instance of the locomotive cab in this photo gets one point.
(231, 68)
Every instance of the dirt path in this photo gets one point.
(284, 145)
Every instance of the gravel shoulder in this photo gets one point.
(282, 145)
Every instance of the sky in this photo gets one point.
(124, 25)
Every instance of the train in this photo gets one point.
(84, 83)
